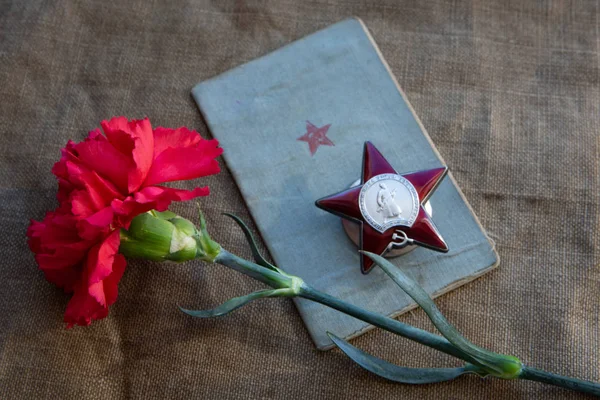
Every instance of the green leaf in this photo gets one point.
(237, 302)
(392, 372)
(500, 365)
(258, 258)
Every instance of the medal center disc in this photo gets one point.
(388, 200)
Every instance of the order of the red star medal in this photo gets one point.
(388, 206)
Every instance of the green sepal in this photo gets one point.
(183, 225)
(182, 255)
(148, 237)
(237, 302)
(208, 249)
(499, 365)
(392, 372)
(163, 214)
(161, 236)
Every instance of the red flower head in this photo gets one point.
(104, 182)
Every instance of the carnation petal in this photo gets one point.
(34, 232)
(96, 225)
(97, 153)
(118, 134)
(135, 140)
(153, 198)
(166, 138)
(67, 153)
(81, 204)
(110, 285)
(64, 190)
(63, 257)
(56, 243)
(83, 308)
(58, 249)
(101, 258)
(160, 197)
(65, 278)
(94, 194)
(182, 163)
(92, 296)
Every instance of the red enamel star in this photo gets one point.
(316, 137)
(385, 203)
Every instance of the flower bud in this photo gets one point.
(160, 236)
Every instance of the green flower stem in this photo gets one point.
(578, 385)
(389, 324)
(499, 365)
(272, 278)
(277, 280)
(299, 288)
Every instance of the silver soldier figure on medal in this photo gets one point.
(388, 200)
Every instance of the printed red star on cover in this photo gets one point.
(316, 137)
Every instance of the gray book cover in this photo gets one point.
(334, 87)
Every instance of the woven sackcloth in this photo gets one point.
(509, 91)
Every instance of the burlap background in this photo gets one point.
(509, 92)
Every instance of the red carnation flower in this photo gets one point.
(104, 182)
